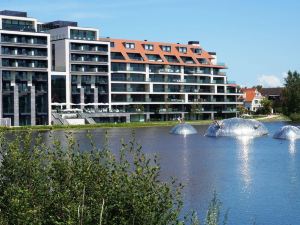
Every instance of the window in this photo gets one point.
(117, 55)
(182, 49)
(83, 34)
(135, 56)
(149, 47)
(154, 57)
(171, 58)
(112, 44)
(166, 48)
(130, 45)
(188, 60)
(197, 51)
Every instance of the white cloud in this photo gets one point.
(270, 81)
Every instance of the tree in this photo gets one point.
(258, 87)
(266, 106)
(291, 93)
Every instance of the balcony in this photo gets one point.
(89, 60)
(23, 40)
(89, 48)
(218, 82)
(231, 82)
(17, 27)
(174, 100)
(169, 71)
(220, 73)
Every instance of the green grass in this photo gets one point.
(105, 125)
(132, 124)
(280, 117)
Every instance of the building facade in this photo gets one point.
(60, 73)
(252, 99)
(164, 81)
(24, 70)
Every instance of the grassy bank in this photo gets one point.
(105, 125)
(134, 124)
(272, 118)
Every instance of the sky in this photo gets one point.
(258, 40)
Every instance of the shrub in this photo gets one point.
(59, 185)
(42, 184)
(295, 117)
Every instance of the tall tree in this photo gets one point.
(291, 93)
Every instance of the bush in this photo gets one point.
(42, 184)
(295, 117)
(58, 184)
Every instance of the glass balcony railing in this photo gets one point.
(231, 82)
(24, 40)
(218, 82)
(17, 27)
(89, 59)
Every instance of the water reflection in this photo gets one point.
(292, 148)
(244, 150)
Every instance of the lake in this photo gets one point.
(256, 179)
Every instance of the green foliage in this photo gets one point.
(258, 87)
(266, 107)
(60, 185)
(295, 117)
(214, 211)
(291, 93)
(242, 110)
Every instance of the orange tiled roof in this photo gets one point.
(119, 46)
(249, 94)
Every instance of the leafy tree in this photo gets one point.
(291, 93)
(266, 106)
(258, 87)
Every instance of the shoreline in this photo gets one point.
(273, 118)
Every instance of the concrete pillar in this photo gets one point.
(32, 106)
(128, 118)
(16, 105)
(147, 117)
(212, 116)
(96, 97)
(81, 97)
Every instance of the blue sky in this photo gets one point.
(258, 40)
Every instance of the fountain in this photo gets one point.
(183, 129)
(236, 127)
(288, 132)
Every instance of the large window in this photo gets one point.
(58, 88)
(83, 34)
(19, 25)
(118, 66)
(171, 58)
(117, 55)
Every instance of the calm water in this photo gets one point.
(257, 180)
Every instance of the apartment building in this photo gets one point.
(58, 72)
(80, 63)
(164, 81)
(25, 70)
